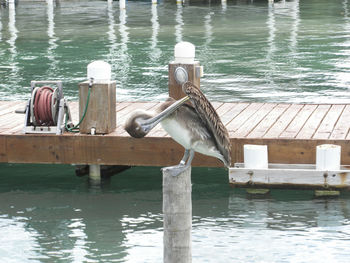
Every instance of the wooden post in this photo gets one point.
(100, 116)
(101, 111)
(177, 209)
(184, 58)
(95, 173)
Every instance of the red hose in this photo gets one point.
(42, 106)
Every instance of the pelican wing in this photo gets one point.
(210, 117)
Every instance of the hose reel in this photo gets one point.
(46, 108)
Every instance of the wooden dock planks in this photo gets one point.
(291, 131)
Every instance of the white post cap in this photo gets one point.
(184, 53)
(328, 157)
(255, 156)
(99, 70)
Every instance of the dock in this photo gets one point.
(291, 131)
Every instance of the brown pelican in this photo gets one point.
(197, 128)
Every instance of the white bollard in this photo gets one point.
(154, 2)
(328, 157)
(122, 4)
(184, 53)
(255, 156)
(100, 71)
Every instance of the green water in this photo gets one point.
(291, 51)
(48, 215)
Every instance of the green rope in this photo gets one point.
(76, 127)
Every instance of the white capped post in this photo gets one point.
(255, 156)
(184, 53)
(100, 71)
(328, 157)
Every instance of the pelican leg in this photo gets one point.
(185, 157)
(183, 165)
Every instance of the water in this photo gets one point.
(292, 51)
(49, 215)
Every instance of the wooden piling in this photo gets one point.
(193, 71)
(101, 114)
(95, 173)
(177, 209)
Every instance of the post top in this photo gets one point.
(99, 70)
(184, 52)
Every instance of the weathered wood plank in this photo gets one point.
(329, 121)
(298, 122)
(236, 109)
(283, 121)
(242, 117)
(253, 121)
(7, 104)
(268, 121)
(11, 107)
(342, 126)
(311, 125)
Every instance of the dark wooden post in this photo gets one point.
(184, 58)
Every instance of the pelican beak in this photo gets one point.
(148, 124)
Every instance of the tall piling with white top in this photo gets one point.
(97, 106)
(183, 68)
(177, 216)
(101, 113)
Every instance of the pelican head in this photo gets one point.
(140, 122)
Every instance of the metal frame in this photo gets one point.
(29, 126)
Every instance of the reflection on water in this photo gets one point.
(47, 214)
(271, 25)
(12, 60)
(155, 52)
(53, 61)
(285, 51)
(179, 22)
(343, 64)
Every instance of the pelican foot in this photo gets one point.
(175, 170)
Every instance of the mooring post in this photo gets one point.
(97, 103)
(255, 157)
(177, 210)
(327, 159)
(183, 68)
